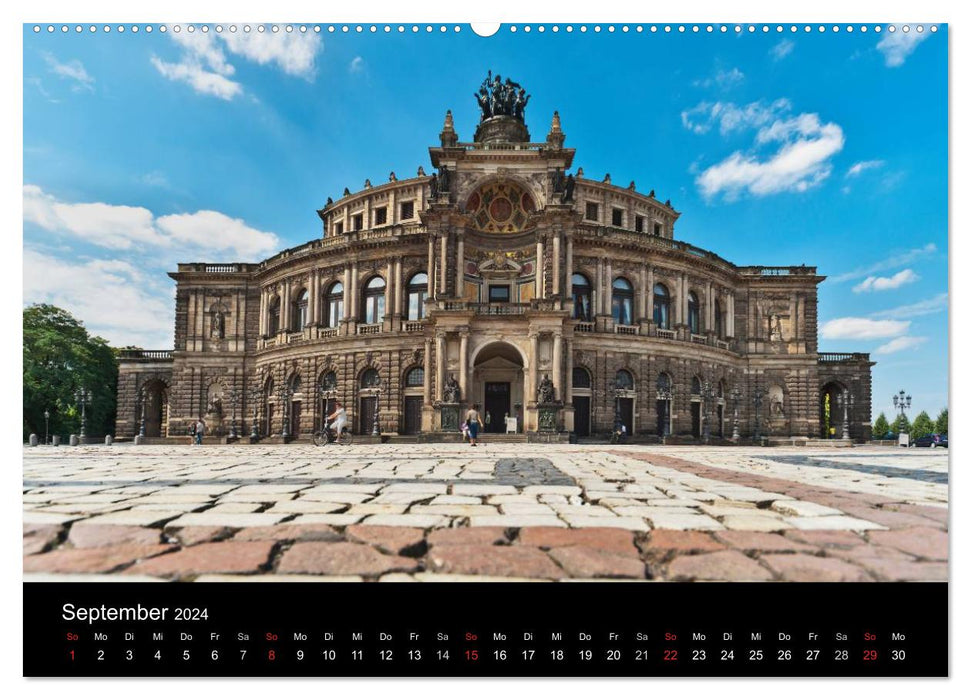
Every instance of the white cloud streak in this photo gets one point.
(904, 342)
(925, 307)
(882, 284)
(72, 70)
(723, 79)
(854, 328)
(782, 49)
(897, 46)
(898, 260)
(857, 168)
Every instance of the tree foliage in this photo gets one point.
(940, 425)
(880, 427)
(901, 424)
(923, 425)
(60, 357)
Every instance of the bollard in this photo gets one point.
(108, 439)
(74, 440)
(55, 440)
(33, 440)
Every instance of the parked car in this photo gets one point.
(932, 440)
(888, 436)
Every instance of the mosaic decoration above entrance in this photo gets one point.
(500, 207)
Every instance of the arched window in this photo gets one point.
(295, 383)
(664, 384)
(374, 301)
(328, 382)
(582, 298)
(415, 377)
(274, 316)
(417, 290)
(581, 378)
(696, 386)
(718, 318)
(625, 380)
(694, 313)
(622, 305)
(334, 305)
(299, 311)
(662, 306)
(370, 379)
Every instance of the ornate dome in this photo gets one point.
(500, 207)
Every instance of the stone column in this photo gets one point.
(264, 302)
(533, 365)
(649, 287)
(285, 307)
(642, 295)
(464, 365)
(556, 264)
(609, 290)
(730, 324)
(440, 363)
(390, 290)
(568, 281)
(354, 291)
(431, 266)
(427, 388)
(599, 306)
(460, 270)
(568, 380)
(313, 302)
(709, 310)
(347, 292)
(540, 269)
(558, 364)
(443, 266)
(399, 287)
(679, 295)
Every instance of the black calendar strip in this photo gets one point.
(470, 629)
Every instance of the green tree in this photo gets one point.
(940, 425)
(901, 424)
(880, 427)
(923, 425)
(60, 357)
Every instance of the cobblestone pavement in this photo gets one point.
(409, 512)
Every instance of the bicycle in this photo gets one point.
(328, 436)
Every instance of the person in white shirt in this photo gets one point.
(339, 418)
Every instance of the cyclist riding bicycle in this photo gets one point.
(337, 421)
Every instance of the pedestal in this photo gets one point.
(449, 417)
(546, 417)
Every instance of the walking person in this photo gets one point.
(474, 423)
(200, 430)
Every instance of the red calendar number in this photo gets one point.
(670, 654)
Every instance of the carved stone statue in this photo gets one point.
(568, 186)
(775, 328)
(546, 393)
(433, 185)
(451, 393)
(218, 330)
(558, 181)
(443, 179)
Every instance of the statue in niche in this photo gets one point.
(451, 393)
(433, 186)
(558, 181)
(218, 331)
(568, 186)
(443, 179)
(546, 393)
(775, 328)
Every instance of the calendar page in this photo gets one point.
(544, 349)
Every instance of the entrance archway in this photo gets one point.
(156, 397)
(831, 410)
(498, 385)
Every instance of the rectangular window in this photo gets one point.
(338, 228)
(657, 229)
(593, 212)
(498, 293)
(617, 217)
(639, 224)
(358, 222)
(407, 210)
(380, 216)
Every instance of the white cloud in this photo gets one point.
(801, 161)
(110, 296)
(217, 232)
(925, 307)
(203, 81)
(724, 79)
(897, 46)
(356, 65)
(782, 49)
(882, 284)
(155, 178)
(888, 263)
(72, 70)
(853, 328)
(859, 167)
(293, 52)
(124, 227)
(904, 342)
(730, 117)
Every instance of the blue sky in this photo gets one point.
(143, 150)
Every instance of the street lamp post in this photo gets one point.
(847, 403)
(757, 396)
(233, 400)
(47, 418)
(736, 395)
(665, 396)
(83, 397)
(376, 429)
(285, 394)
(255, 393)
(901, 402)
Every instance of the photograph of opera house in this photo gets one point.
(562, 305)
